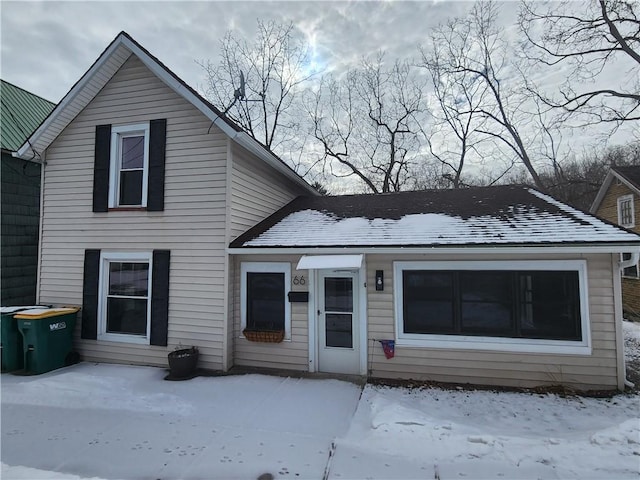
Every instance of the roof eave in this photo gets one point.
(605, 187)
(549, 248)
(173, 82)
(248, 142)
(75, 90)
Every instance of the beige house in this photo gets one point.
(171, 226)
(144, 185)
(618, 202)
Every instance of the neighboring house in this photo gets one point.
(618, 201)
(21, 112)
(171, 226)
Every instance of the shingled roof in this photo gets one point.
(503, 215)
(630, 173)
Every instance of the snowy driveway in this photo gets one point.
(125, 422)
(122, 422)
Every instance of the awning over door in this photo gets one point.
(316, 262)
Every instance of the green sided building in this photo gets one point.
(21, 113)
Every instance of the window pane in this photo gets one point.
(339, 330)
(338, 294)
(265, 301)
(128, 278)
(133, 152)
(631, 271)
(131, 187)
(486, 318)
(428, 301)
(486, 303)
(550, 305)
(127, 315)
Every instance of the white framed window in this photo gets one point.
(626, 214)
(124, 302)
(264, 287)
(129, 166)
(519, 306)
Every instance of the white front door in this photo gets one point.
(338, 323)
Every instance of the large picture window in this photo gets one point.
(263, 288)
(531, 305)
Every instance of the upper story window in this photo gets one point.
(129, 166)
(626, 214)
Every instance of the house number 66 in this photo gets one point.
(299, 281)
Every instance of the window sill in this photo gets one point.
(498, 344)
(123, 338)
(127, 209)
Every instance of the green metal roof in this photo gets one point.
(20, 114)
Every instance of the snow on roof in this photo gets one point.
(504, 215)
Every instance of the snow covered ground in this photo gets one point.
(117, 422)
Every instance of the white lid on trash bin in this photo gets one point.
(5, 310)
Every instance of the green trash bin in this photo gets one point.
(11, 356)
(47, 337)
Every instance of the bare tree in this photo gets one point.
(275, 68)
(366, 123)
(578, 180)
(477, 54)
(597, 45)
(452, 133)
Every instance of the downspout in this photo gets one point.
(635, 256)
(622, 264)
(43, 164)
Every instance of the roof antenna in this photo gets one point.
(238, 93)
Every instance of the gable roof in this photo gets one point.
(629, 175)
(483, 216)
(21, 112)
(103, 69)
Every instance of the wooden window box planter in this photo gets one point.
(265, 336)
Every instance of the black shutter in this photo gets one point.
(160, 297)
(101, 168)
(157, 149)
(90, 294)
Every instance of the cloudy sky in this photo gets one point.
(47, 46)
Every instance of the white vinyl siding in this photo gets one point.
(460, 365)
(256, 191)
(292, 354)
(192, 226)
(457, 365)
